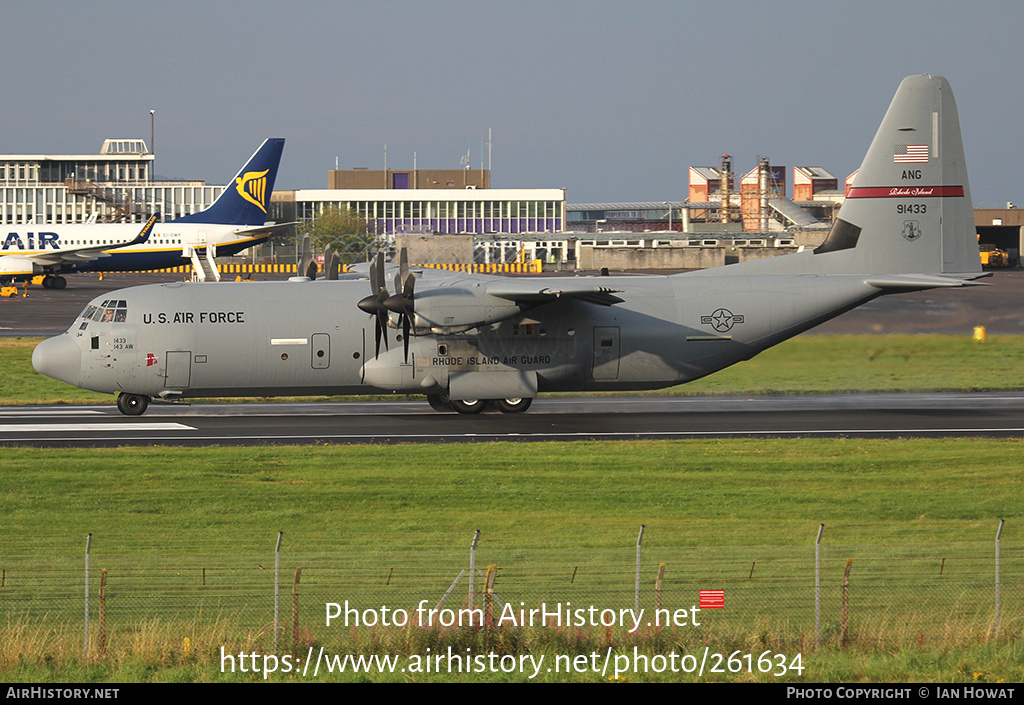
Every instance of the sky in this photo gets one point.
(612, 101)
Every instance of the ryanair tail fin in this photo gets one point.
(909, 208)
(246, 199)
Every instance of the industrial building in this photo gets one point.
(715, 206)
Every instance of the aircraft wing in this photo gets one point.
(525, 292)
(86, 253)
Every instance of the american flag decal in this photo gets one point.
(252, 186)
(910, 154)
(712, 599)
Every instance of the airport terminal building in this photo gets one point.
(439, 211)
(114, 186)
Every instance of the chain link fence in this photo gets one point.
(874, 584)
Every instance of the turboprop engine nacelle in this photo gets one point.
(448, 311)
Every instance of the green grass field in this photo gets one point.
(393, 524)
(358, 517)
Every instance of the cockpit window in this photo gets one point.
(110, 311)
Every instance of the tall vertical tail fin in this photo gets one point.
(246, 199)
(909, 209)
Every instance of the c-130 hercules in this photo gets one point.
(469, 340)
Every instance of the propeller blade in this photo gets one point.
(376, 303)
(406, 329)
(382, 326)
(331, 265)
(377, 274)
(305, 258)
(403, 269)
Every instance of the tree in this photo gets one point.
(342, 229)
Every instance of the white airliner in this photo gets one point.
(235, 221)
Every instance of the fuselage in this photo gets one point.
(165, 247)
(308, 337)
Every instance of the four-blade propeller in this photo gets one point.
(380, 302)
(402, 302)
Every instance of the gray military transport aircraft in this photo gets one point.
(468, 340)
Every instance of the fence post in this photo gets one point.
(999, 534)
(489, 578)
(844, 638)
(101, 647)
(277, 587)
(639, 541)
(295, 606)
(657, 588)
(472, 568)
(88, 545)
(817, 587)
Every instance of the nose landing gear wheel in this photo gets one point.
(132, 404)
(513, 406)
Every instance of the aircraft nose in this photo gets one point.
(60, 358)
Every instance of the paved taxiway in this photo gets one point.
(601, 418)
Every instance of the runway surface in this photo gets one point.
(558, 419)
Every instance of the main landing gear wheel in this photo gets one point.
(513, 406)
(53, 281)
(469, 406)
(440, 403)
(132, 404)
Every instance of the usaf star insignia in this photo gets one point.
(721, 320)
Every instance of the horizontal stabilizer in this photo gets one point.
(910, 282)
(266, 229)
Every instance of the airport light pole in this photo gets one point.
(152, 142)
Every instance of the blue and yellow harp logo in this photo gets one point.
(252, 186)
